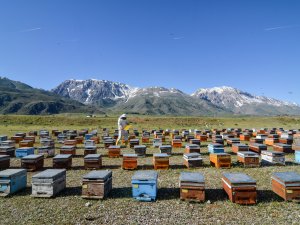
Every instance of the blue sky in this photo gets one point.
(251, 45)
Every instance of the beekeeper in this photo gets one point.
(122, 123)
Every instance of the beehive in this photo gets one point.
(145, 139)
(68, 149)
(192, 186)
(218, 141)
(7, 150)
(249, 159)
(240, 188)
(176, 143)
(192, 159)
(114, 151)
(232, 141)
(144, 185)
(195, 142)
(245, 137)
(12, 181)
(17, 139)
(140, 150)
(93, 161)
(32, 162)
(129, 161)
(201, 137)
(161, 161)
(273, 158)
(61, 138)
(48, 183)
(288, 141)
(108, 142)
(220, 160)
(256, 140)
(47, 151)
(47, 142)
(190, 148)
(255, 147)
(25, 143)
(239, 148)
(30, 138)
(89, 143)
(70, 143)
(271, 141)
(166, 149)
(3, 138)
(9, 143)
(134, 142)
(215, 148)
(88, 136)
(90, 150)
(62, 161)
(96, 184)
(286, 185)
(4, 162)
(79, 140)
(21, 152)
(157, 142)
(283, 148)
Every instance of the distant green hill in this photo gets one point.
(20, 98)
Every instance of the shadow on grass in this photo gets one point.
(121, 192)
(25, 192)
(111, 167)
(70, 191)
(77, 168)
(168, 193)
(177, 167)
(215, 195)
(268, 196)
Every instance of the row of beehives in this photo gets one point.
(240, 187)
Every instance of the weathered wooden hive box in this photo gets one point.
(239, 148)
(62, 161)
(89, 143)
(108, 142)
(161, 161)
(12, 181)
(32, 162)
(286, 185)
(70, 143)
(145, 138)
(192, 186)
(296, 147)
(90, 150)
(25, 151)
(249, 159)
(192, 159)
(245, 137)
(190, 148)
(220, 160)
(297, 156)
(215, 148)
(17, 139)
(129, 161)
(240, 188)
(166, 149)
(48, 183)
(273, 158)
(255, 147)
(157, 142)
(144, 185)
(4, 162)
(26, 143)
(9, 143)
(176, 143)
(134, 142)
(97, 184)
(68, 149)
(114, 151)
(93, 161)
(47, 151)
(140, 150)
(131, 136)
(283, 148)
(232, 141)
(61, 138)
(79, 140)
(195, 141)
(7, 150)
(47, 142)
(136, 132)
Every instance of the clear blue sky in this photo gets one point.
(251, 45)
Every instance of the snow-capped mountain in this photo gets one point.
(243, 102)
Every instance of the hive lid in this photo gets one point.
(12, 172)
(4, 157)
(67, 147)
(7, 148)
(160, 155)
(239, 178)
(221, 153)
(98, 175)
(62, 156)
(140, 146)
(283, 145)
(90, 147)
(32, 156)
(130, 155)
(134, 140)
(92, 156)
(192, 146)
(192, 155)
(240, 145)
(114, 146)
(49, 173)
(272, 153)
(216, 145)
(248, 153)
(191, 177)
(25, 148)
(165, 147)
(287, 177)
(44, 147)
(145, 175)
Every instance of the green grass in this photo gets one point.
(120, 208)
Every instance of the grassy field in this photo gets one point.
(119, 208)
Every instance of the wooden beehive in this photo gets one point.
(255, 147)
(283, 148)
(47, 151)
(256, 140)
(245, 137)
(145, 139)
(134, 142)
(93, 161)
(90, 150)
(157, 142)
(140, 150)
(288, 141)
(62, 161)
(79, 140)
(232, 141)
(296, 147)
(220, 160)
(3, 138)
(129, 161)
(240, 188)
(239, 148)
(161, 161)
(30, 138)
(248, 159)
(286, 185)
(89, 143)
(201, 137)
(215, 148)
(12, 181)
(17, 139)
(32, 162)
(144, 185)
(195, 141)
(47, 142)
(7, 150)
(70, 143)
(25, 151)
(96, 184)
(176, 143)
(48, 183)
(273, 158)
(192, 186)
(190, 148)
(271, 141)
(109, 142)
(192, 160)
(4, 162)
(114, 151)
(166, 149)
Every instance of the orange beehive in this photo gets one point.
(271, 141)
(129, 161)
(220, 160)
(114, 151)
(192, 186)
(79, 140)
(161, 161)
(70, 142)
(17, 139)
(176, 143)
(145, 139)
(26, 143)
(30, 138)
(244, 137)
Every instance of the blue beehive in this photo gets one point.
(12, 181)
(21, 152)
(215, 148)
(297, 156)
(88, 136)
(144, 185)
(3, 138)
